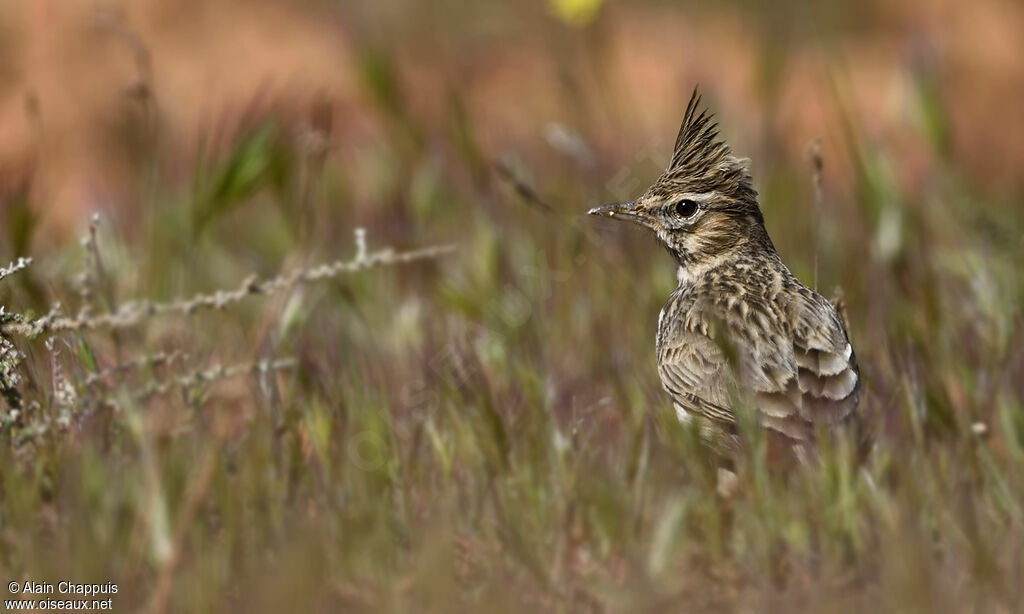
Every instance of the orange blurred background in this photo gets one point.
(81, 81)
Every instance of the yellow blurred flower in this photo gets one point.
(576, 12)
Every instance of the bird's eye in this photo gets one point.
(686, 208)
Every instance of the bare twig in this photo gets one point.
(361, 245)
(64, 394)
(506, 170)
(141, 56)
(94, 278)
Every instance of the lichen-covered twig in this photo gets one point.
(132, 313)
(10, 359)
(14, 267)
(148, 361)
(212, 374)
(187, 381)
(10, 356)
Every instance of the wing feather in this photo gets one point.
(797, 380)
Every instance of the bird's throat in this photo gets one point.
(690, 273)
(683, 276)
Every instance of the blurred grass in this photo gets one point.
(487, 430)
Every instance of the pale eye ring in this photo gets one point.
(686, 208)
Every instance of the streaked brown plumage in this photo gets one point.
(740, 330)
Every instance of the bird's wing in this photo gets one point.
(695, 372)
(798, 378)
(828, 376)
(807, 377)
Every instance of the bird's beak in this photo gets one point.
(622, 211)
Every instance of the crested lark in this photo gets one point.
(739, 330)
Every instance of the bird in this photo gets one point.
(740, 332)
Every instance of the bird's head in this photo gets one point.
(704, 206)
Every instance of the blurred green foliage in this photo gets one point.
(258, 161)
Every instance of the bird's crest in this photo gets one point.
(698, 148)
(702, 162)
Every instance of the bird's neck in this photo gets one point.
(689, 275)
(690, 271)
